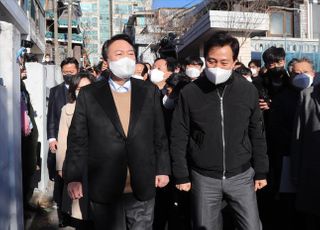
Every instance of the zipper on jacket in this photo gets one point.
(222, 133)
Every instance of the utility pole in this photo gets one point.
(70, 52)
(111, 17)
(56, 42)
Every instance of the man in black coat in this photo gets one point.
(218, 145)
(305, 156)
(58, 97)
(29, 138)
(117, 135)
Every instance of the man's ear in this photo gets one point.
(145, 76)
(234, 64)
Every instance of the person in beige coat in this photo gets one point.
(81, 80)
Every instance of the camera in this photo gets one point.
(26, 44)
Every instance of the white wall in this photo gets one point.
(11, 214)
(36, 86)
(245, 49)
(4, 162)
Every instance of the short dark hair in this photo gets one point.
(145, 68)
(292, 61)
(98, 67)
(220, 39)
(239, 64)
(243, 71)
(30, 57)
(70, 60)
(175, 78)
(177, 81)
(193, 60)
(107, 43)
(304, 59)
(255, 62)
(75, 82)
(170, 62)
(273, 55)
(148, 64)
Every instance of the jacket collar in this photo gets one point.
(316, 97)
(104, 97)
(207, 86)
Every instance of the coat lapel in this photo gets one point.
(138, 94)
(316, 97)
(105, 99)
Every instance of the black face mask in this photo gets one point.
(68, 78)
(276, 75)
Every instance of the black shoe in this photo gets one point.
(61, 225)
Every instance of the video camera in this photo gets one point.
(26, 43)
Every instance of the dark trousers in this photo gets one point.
(126, 213)
(29, 164)
(312, 222)
(57, 196)
(207, 195)
(172, 209)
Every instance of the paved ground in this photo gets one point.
(45, 216)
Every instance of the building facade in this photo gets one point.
(154, 31)
(291, 24)
(95, 23)
(102, 19)
(77, 35)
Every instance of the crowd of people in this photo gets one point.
(188, 144)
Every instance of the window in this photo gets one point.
(141, 21)
(89, 22)
(104, 35)
(92, 47)
(316, 20)
(281, 24)
(139, 8)
(33, 10)
(88, 7)
(91, 35)
(23, 4)
(123, 9)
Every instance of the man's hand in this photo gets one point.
(75, 190)
(161, 181)
(259, 184)
(184, 187)
(53, 146)
(263, 105)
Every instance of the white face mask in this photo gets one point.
(193, 72)
(302, 81)
(123, 68)
(168, 102)
(218, 75)
(156, 76)
(137, 77)
(254, 71)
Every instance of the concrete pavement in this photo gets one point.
(44, 217)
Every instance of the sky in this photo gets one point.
(174, 3)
